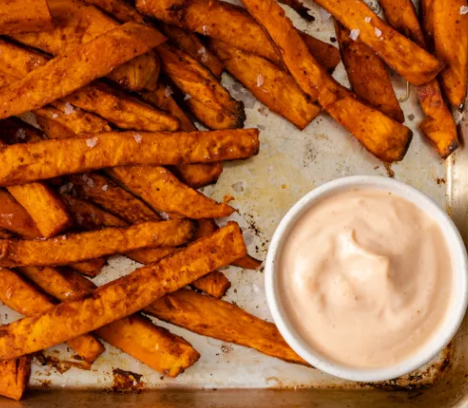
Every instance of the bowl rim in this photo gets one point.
(457, 307)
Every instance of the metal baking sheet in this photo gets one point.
(290, 164)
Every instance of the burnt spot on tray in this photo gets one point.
(127, 380)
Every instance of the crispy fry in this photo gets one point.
(192, 45)
(71, 248)
(113, 198)
(15, 377)
(412, 62)
(247, 262)
(118, 9)
(24, 16)
(14, 218)
(122, 111)
(76, 23)
(123, 296)
(438, 126)
(23, 163)
(215, 284)
(152, 345)
(381, 135)
(272, 86)
(164, 192)
(368, 75)
(91, 268)
(222, 320)
(24, 298)
(299, 8)
(230, 24)
(326, 54)
(94, 59)
(447, 29)
(36, 198)
(195, 175)
(211, 118)
(199, 83)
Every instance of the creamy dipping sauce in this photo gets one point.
(365, 278)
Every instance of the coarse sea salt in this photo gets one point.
(137, 137)
(203, 53)
(187, 97)
(168, 91)
(104, 187)
(69, 109)
(463, 10)
(91, 142)
(88, 180)
(367, 19)
(260, 80)
(377, 32)
(21, 134)
(354, 34)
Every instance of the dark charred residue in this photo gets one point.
(389, 169)
(127, 381)
(59, 365)
(440, 181)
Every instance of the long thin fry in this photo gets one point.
(381, 135)
(412, 62)
(368, 75)
(23, 16)
(164, 192)
(271, 85)
(15, 377)
(123, 296)
(118, 9)
(222, 320)
(24, 163)
(94, 59)
(135, 335)
(438, 125)
(70, 248)
(24, 298)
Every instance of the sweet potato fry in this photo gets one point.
(24, 16)
(118, 9)
(247, 262)
(91, 268)
(71, 248)
(76, 23)
(124, 112)
(230, 24)
(198, 82)
(412, 62)
(438, 126)
(23, 163)
(94, 59)
(448, 34)
(224, 321)
(381, 135)
(135, 335)
(195, 175)
(368, 75)
(214, 284)
(271, 85)
(5, 234)
(123, 296)
(24, 298)
(164, 192)
(112, 198)
(15, 377)
(299, 8)
(189, 43)
(14, 218)
(210, 118)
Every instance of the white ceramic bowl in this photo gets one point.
(454, 314)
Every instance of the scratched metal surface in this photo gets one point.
(290, 164)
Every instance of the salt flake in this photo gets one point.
(69, 109)
(168, 92)
(203, 53)
(21, 134)
(104, 187)
(88, 180)
(205, 30)
(260, 80)
(137, 137)
(377, 32)
(91, 142)
(354, 34)
(54, 115)
(187, 97)
(463, 10)
(66, 188)
(367, 19)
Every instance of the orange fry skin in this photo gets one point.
(15, 377)
(24, 16)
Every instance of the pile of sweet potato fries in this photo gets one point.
(113, 162)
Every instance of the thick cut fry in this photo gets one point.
(124, 112)
(24, 16)
(24, 298)
(224, 321)
(150, 255)
(164, 192)
(381, 135)
(195, 175)
(271, 85)
(113, 198)
(91, 268)
(192, 45)
(412, 62)
(210, 118)
(199, 83)
(326, 54)
(23, 163)
(70, 248)
(94, 59)
(230, 24)
(299, 8)
(14, 218)
(215, 284)
(368, 75)
(447, 30)
(123, 296)
(76, 23)
(438, 126)
(15, 377)
(152, 345)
